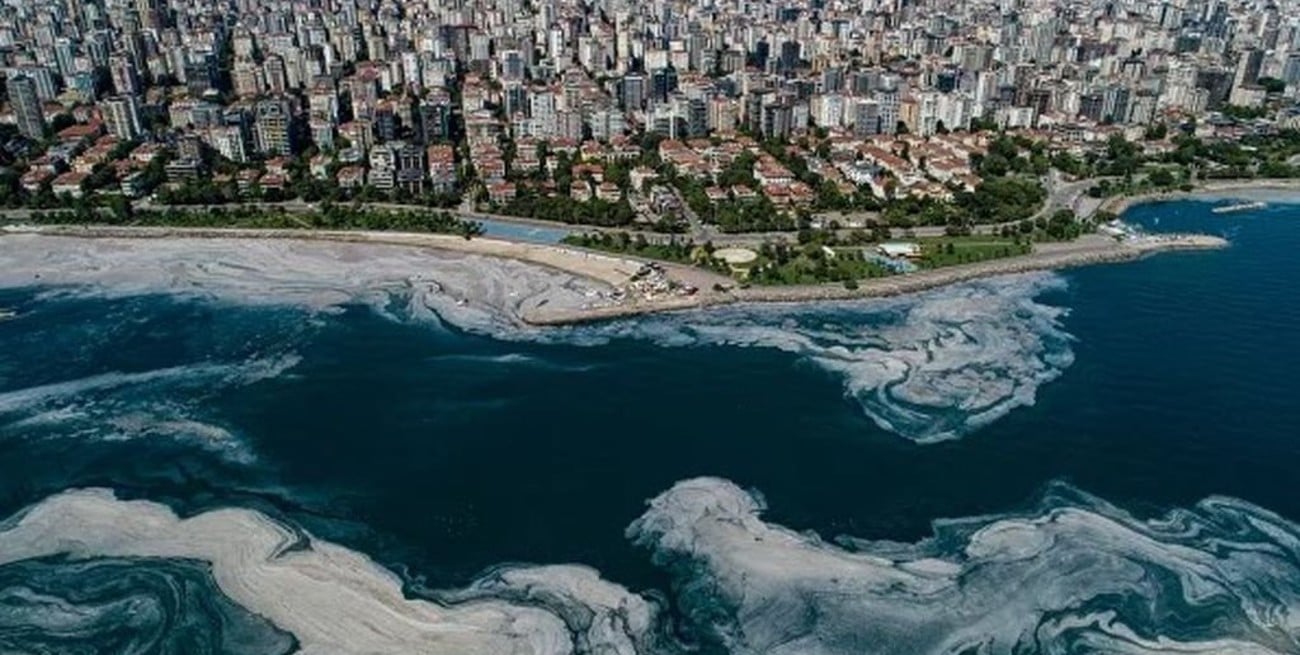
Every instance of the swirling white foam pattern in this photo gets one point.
(929, 367)
(1076, 575)
(484, 294)
(334, 600)
(126, 607)
(119, 406)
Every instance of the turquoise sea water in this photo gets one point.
(1112, 395)
(523, 232)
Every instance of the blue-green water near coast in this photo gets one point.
(1118, 393)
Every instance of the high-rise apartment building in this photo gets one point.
(27, 107)
(122, 117)
(273, 124)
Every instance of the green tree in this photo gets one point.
(1161, 177)
(1272, 84)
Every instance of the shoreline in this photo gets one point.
(612, 271)
(1119, 204)
(602, 267)
(1088, 250)
(619, 272)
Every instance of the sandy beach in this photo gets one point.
(531, 284)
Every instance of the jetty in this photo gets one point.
(1239, 207)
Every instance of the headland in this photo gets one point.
(1084, 251)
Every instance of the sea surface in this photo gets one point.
(1064, 429)
(521, 231)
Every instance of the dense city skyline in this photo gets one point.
(489, 102)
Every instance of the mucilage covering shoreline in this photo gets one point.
(627, 294)
(928, 367)
(1071, 573)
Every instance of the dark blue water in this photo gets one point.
(441, 453)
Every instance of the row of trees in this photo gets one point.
(564, 209)
(327, 217)
(1062, 225)
(672, 249)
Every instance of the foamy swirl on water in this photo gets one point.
(929, 367)
(329, 598)
(128, 607)
(1073, 576)
(162, 403)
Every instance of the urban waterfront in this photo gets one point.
(441, 451)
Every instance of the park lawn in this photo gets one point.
(939, 252)
(785, 265)
(848, 264)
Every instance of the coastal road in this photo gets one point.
(1067, 195)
